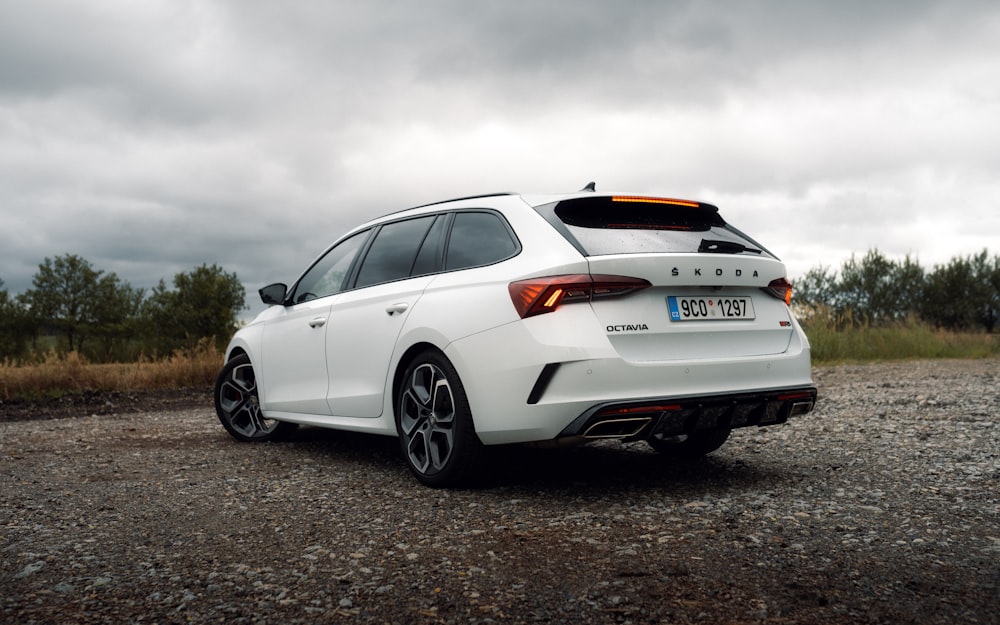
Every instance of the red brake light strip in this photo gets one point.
(654, 200)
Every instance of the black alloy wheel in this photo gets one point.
(434, 423)
(238, 405)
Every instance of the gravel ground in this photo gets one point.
(882, 506)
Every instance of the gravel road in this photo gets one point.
(882, 506)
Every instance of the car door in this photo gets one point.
(294, 376)
(365, 321)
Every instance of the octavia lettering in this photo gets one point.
(628, 327)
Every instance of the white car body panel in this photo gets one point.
(594, 372)
(360, 339)
(293, 359)
(340, 373)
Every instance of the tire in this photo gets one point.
(434, 422)
(691, 445)
(237, 404)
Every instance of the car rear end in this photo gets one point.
(682, 325)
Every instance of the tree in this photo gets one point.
(964, 293)
(872, 289)
(15, 326)
(115, 316)
(961, 295)
(63, 295)
(83, 304)
(816, 295)
(945, 305)
(877, 290)
(985, 299)
(204, 303)
(908, 279)
(817, 288)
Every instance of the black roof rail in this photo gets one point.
(468, 197)
(457, 199)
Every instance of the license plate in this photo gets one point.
(709, 308)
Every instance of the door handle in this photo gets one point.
(318, 322)
(397, 308)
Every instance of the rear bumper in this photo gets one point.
(675, 416)
(534, 391)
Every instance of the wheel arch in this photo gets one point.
(403, 364)
(235, 352)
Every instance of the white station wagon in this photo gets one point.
(525, 318)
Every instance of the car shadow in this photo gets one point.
(381, 452)
(607, 467)
(599, 468)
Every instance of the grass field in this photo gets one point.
(61, 374)
(902, 342)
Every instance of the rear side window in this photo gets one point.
(478, 238)
(393, 252)
(633, 225)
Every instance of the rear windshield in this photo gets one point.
(620, 225)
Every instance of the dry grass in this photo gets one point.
(59, 374)
(904, 341)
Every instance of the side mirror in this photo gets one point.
(273, 294)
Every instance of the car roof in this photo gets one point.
(532, 200)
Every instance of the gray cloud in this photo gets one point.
(152, 137)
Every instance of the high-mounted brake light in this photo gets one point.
(537, 296)
(780, 288)
(654, 200)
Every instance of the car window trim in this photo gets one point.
(441, 253)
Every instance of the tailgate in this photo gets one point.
(700, 306)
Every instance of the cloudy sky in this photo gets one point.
(151, 137)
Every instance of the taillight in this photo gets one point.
(782, 289)
(536, 296)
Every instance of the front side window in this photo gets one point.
(327, 276)
(477, 239)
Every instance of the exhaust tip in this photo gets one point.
(617, 428)
(800, 408)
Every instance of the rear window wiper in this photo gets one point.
(713, 246)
